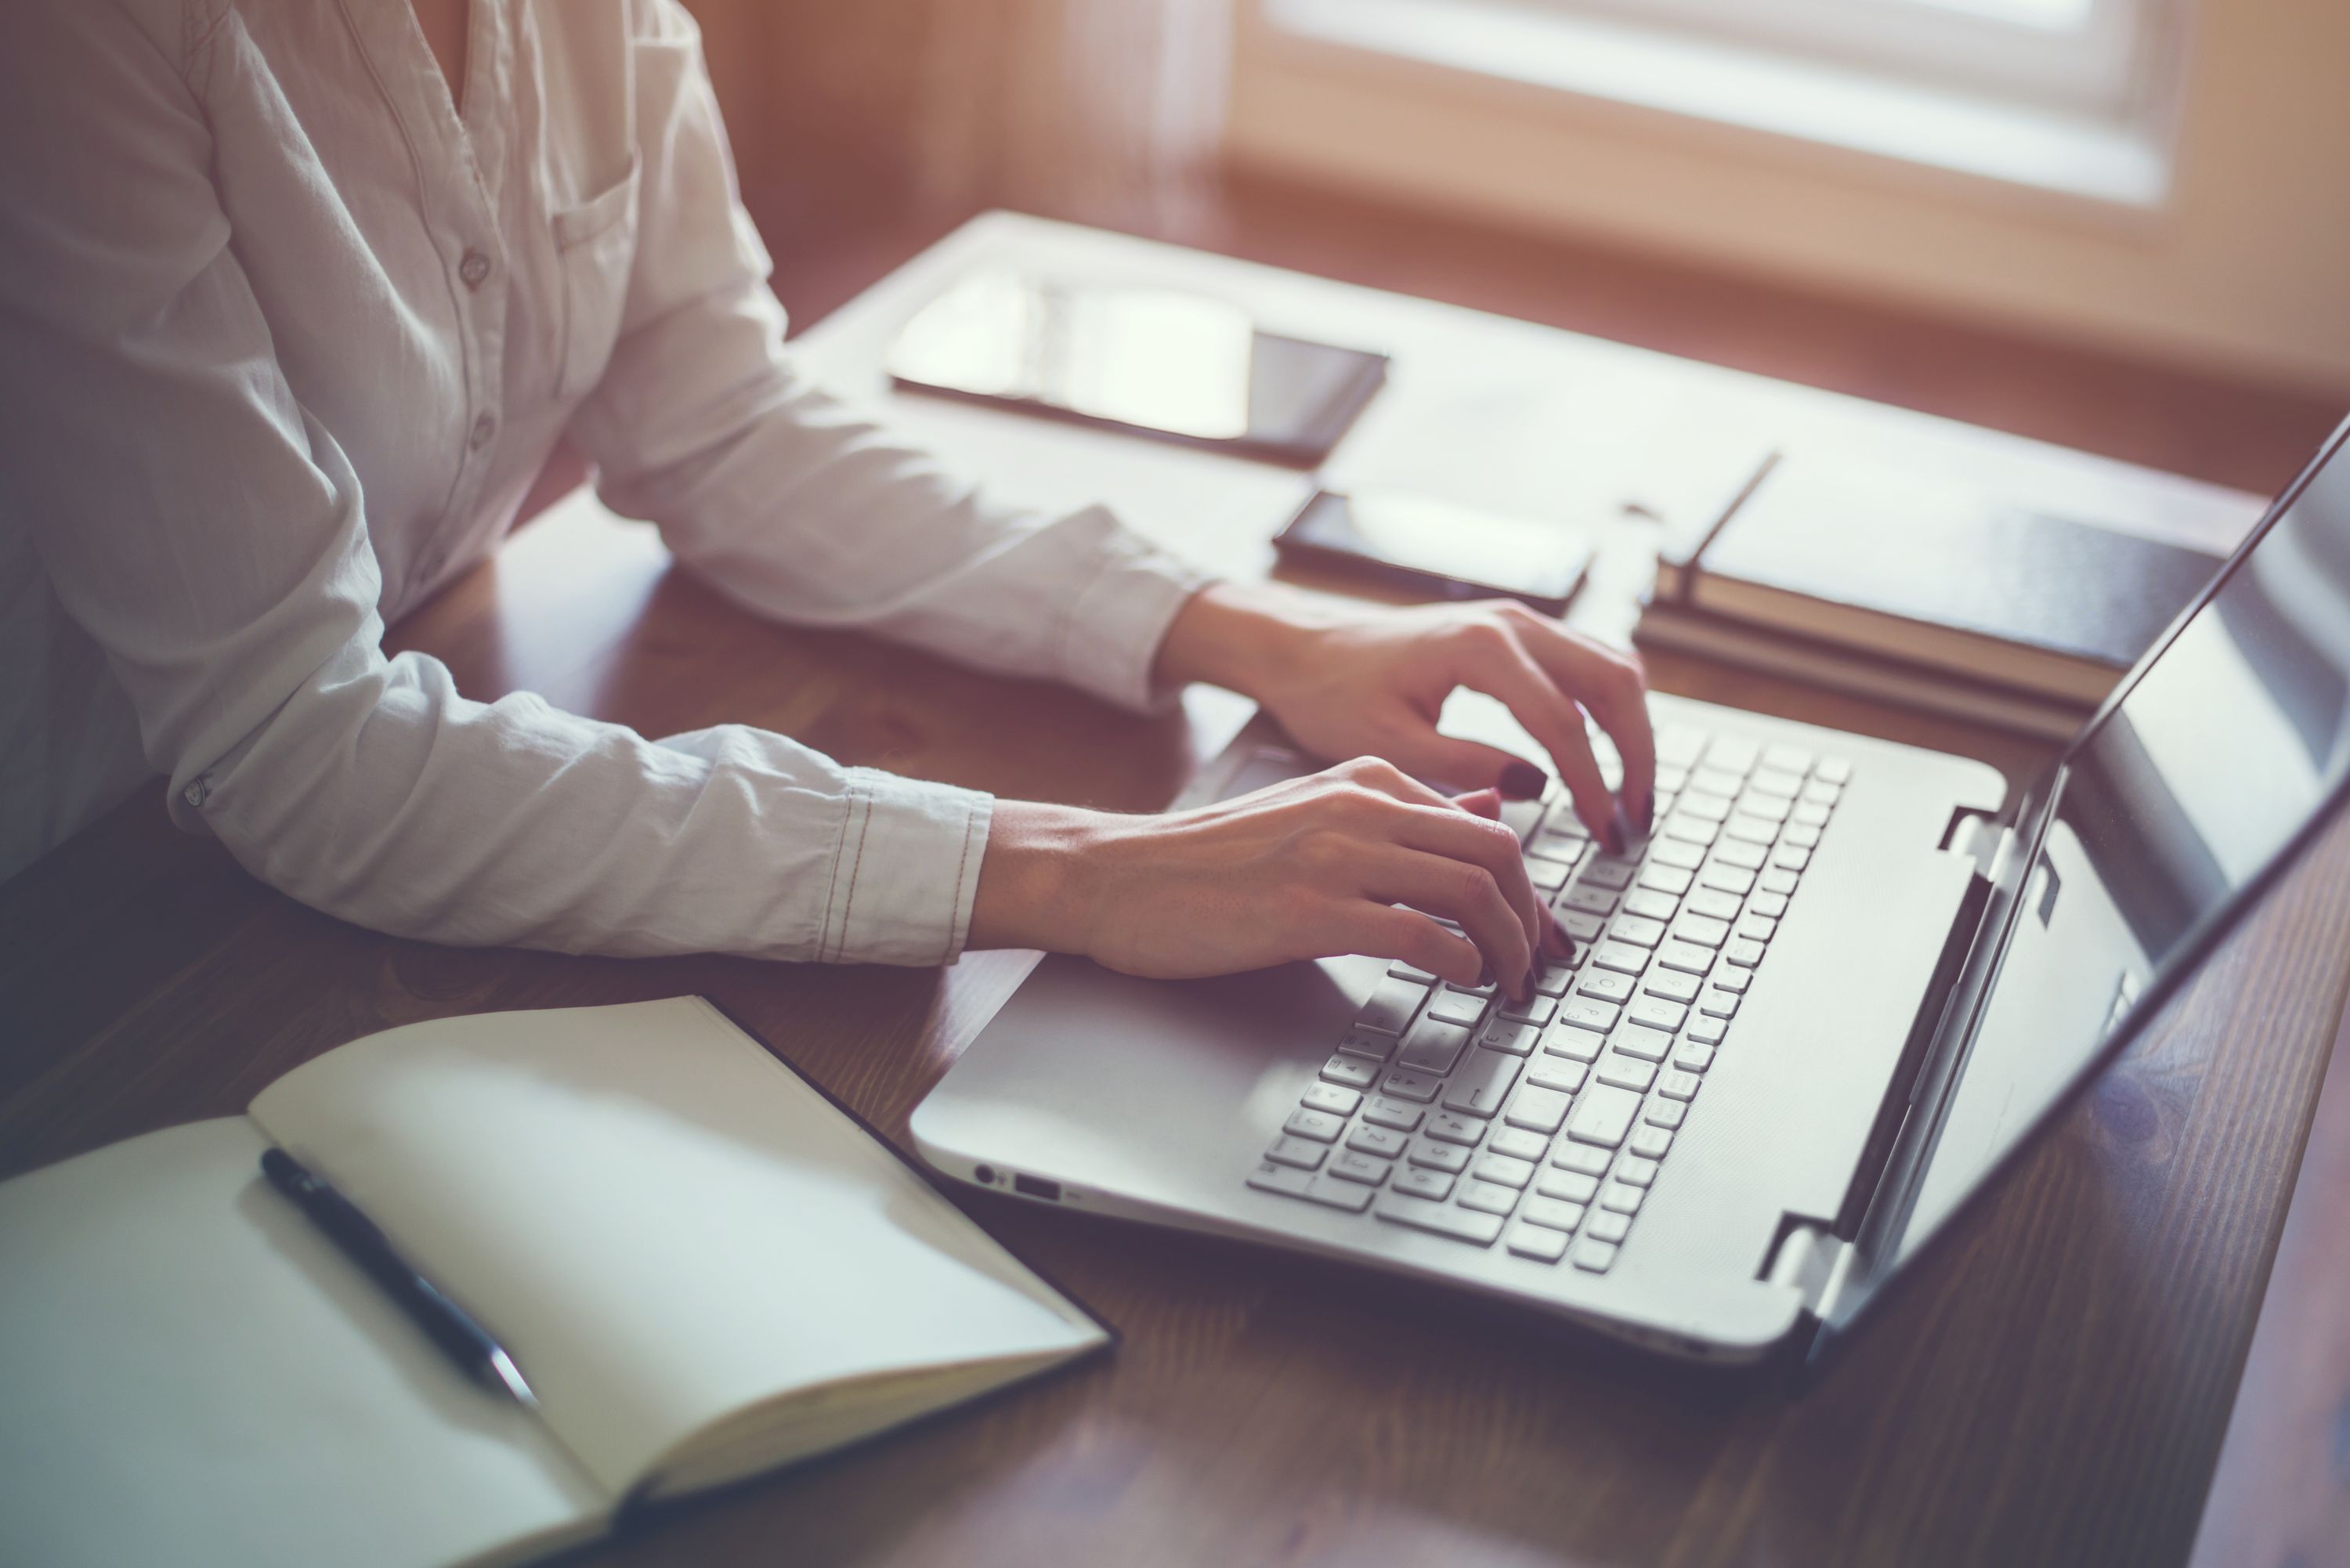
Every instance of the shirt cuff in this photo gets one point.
(907, 871)
(1121, 616)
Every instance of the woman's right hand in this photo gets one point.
(1312, 867)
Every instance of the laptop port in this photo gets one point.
(1037, 1187)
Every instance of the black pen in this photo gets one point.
(358, 1238)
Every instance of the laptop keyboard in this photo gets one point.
(1544, 1124)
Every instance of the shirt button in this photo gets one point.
(474, 269)
(484, 429)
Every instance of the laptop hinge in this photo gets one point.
(1814, 1259)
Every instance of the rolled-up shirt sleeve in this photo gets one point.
(800, 506)
(209, 535)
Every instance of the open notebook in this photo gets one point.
(703, 1266)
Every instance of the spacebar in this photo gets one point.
(1461, 1225)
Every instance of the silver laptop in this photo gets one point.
(1841, 984)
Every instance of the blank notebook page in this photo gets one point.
(663, 1223)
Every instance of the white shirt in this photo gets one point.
(282, 343)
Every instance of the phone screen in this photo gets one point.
(1158, 360)
(1541, 562)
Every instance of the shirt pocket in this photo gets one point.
(594, 244)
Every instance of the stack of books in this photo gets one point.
(1924, 593)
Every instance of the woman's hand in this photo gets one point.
(1371, 682)
(1310, 869)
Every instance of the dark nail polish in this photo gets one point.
(1572, 950)
(1533, 974)
(1522, 780)
(1484, 977)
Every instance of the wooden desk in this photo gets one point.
(2054, 1390)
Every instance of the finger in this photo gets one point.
(1612, 688)
(1383, 931)
(1378, 773)
(1472, 764)
(1461, 891)
(1484, 841)
(1506, 672)
(1484, 803)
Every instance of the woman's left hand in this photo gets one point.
(1349, 683)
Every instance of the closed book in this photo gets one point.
(1946, 578)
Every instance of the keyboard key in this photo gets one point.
(1649, 904)
(1692, 1057)
(1541, 1110)
(1678, 1086)
(1518, 1143)
(1607, 1225)
(1333, 1098)
(1392, 1006)
(1482, 1083)
(1582, 928)
(1788, 758)
(1626, 1073)
(1810, 812)
(1300, 1152)
(1400, 1115)
(1571, 1185)
(1802, 835)
(1739, 853)
(1835, 769)
(1402, 970)
(1536, 1009)
(1678, 746)
(1673, 985)
(1657, 1012)
(1593, 1257)
(1823, 791)
(1733, 752)
(1319, 1125)
(1608, 873)
(1551, 1212)
(1678, 852)
(1587, 1015)
(1454, 1005)
(1758, 928)
(1790, 857)
(1288, 1180)
(1442, 1218)
(1326, 1189)
(1705, 805)
(1649, 1044)
(1548, 876)
(1686, 828)
(1666, 880)
(1778, 782)
(1607, 985)
(1352, 1071)
(1451, 1127)
(1553, 982)
(1541, 1246)
(1690, 958)
(1432, 1046)
(1734, 879)
(1717, 781)
(1639, 931)
(1700, 930)
(1583, 1159)
(1382, 1141)
(1449, 1158)
(1516, 1039)
(1621, 957)
(1574, 1043)
(1770, 905)
(1603, 1116)
(1652, 1142)
(1552, 1073)
(1367, 1044)
(1778, 879)
(1502, 1170)
(1713, 904)
(1433, 1185)
(1632, 1170)
(1706, 1031)
(1487, 1198)
(1666, 1114)
(1718, 1003)
(1773, 808)
(1588, 900)
(1618, 1197)
(1744, 952)
(1362, 1167)
(1403, 1084)
(1733, 979)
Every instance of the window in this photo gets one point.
(2087, 55)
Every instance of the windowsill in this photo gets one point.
(2107, 163)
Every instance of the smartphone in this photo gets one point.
(1156, 361)
(1438, 547)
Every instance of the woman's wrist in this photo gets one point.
(1032, 877)
(1241, 636)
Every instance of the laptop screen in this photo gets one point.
(2218, 752)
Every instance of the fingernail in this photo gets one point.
(1614, 836)
(1522, 780)
(1527, 993)
(1484, 977)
